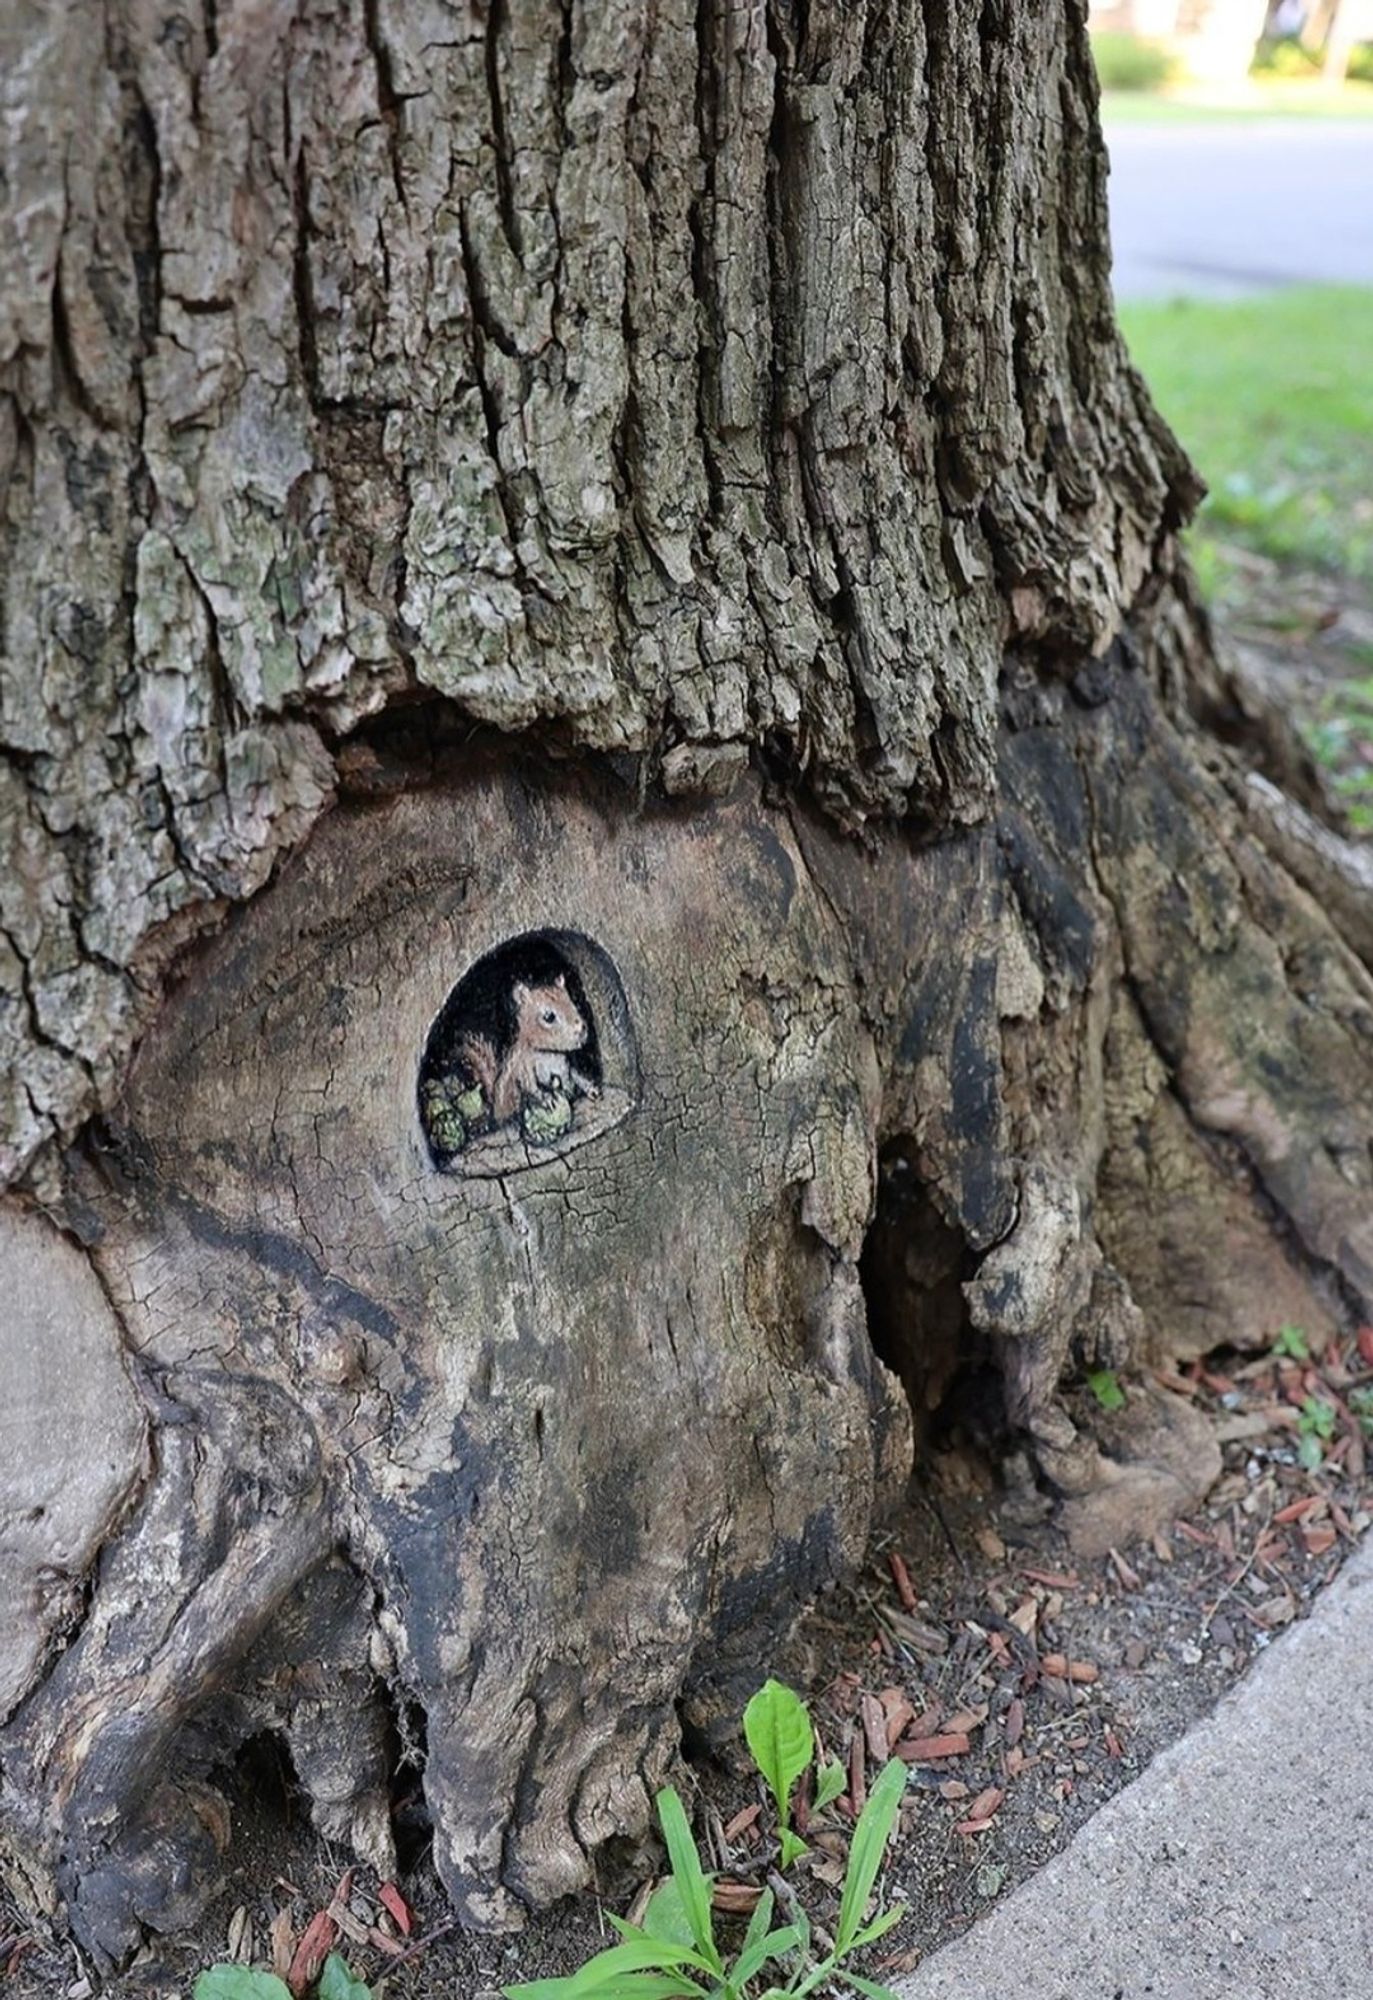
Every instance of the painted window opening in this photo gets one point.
(530, 1055)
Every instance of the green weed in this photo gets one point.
(675, 1954)
(1315, 1428)
(1105, 1386)
(1291, 1344)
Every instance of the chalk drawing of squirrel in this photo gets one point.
(549, 1028)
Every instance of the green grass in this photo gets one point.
(1273, 399)
(1261, 97)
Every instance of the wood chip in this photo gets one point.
(858, 1776)
(1297, 1510)
(986, 1803)
(1129, 1577)
(874, 1719)
(1063, 1669)
(741, 1821)
(1015, 1721)
(954, 1788)
(1025, 1617)
(1168, 1378)
(991, 1545)
(380, 1940)
(340, 1914)
(1197, 1535)
(965, 1720)
(899, 1715)
(396, 1906)
(982, 1811)
(930, 1749)
(318, 1940)
(1318, 1540)
(901, 1577)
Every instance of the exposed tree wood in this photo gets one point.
(597, 675)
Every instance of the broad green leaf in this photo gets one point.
(337, 1982)
(778, 1732)
(867, 1847)
(752, 1959)
(538, 1989)
(793, 1847)
(687, 1873)
(829, 1785)
(665, 1915)
(1310, 1452)
(239, 1982)
(869, 1987)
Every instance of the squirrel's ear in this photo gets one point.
(561, 980)
(520, 990)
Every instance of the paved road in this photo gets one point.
(1218, 210)
(1239, 1867)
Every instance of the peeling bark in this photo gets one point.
(656, 493)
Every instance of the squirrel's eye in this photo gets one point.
(548, 1017)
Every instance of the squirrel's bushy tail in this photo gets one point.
(480, 1058)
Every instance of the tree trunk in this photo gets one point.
(598, 681)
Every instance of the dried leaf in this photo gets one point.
(1015, 1721)
(240, 1937)
(735, 1899)
(283, 1936)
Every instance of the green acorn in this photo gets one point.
(546, 1118)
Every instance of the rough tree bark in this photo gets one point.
(637, 512)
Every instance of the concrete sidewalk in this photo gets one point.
(1238, 1867)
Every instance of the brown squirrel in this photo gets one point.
(549, 1025)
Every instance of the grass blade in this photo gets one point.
(866, 1849)
(688, 1874)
